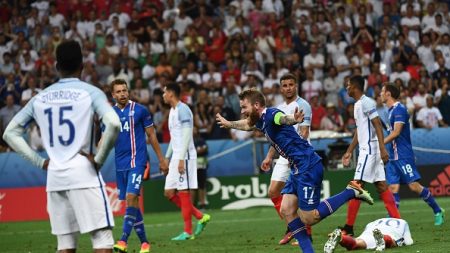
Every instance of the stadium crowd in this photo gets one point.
(217, 48)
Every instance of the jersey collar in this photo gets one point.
(394, 105)
(69, 79)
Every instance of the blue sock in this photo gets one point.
(128, 222)
(299, 232)
(397, 199)
(139, 227)
(330, 205)
(427, 197)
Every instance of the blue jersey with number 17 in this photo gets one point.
(131, 147)
(401, 147)
(287, 142)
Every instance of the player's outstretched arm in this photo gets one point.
(13, 135)
(239, 124)
(290, 120)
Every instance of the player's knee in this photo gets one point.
(381, 186)
(102, 239)
(67, 241)
(273, 193)
(132, 200)
(288, 211)
(169, 194)
(415, 187)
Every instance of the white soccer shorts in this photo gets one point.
(82, 210)
(370, 168)
(281, 170)
(187, 180)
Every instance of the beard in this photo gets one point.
(253, 117)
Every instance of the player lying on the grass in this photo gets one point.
(281, 170)
(401, 168)
(379, 235)
(302, 190)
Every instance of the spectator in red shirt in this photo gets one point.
(215, 50)
(318, 112)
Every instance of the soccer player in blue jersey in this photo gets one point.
(281, 170)
(182, 176)
(401, 168)
(302, 190)
(131, 159)
(76, 197)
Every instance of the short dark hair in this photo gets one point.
(288, 76)
(253, 95)
(392, 88)
(175, 88)
(358, 81)
(118, 82)
(69, 58)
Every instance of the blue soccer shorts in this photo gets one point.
(306, 186)
(402, 171)
(129, 181)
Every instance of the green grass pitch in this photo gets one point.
(252, 230)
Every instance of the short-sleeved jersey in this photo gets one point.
(397, 229)
(365, 110)
(64, 112)
(302, 105)
(401, 147)
(287, 142)
(131, 147)
(180, 118)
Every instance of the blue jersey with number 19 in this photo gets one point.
(131, 147)
(64, 112)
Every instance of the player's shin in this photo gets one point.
(389, 203)
(277, 204)
(348, 242)
(429, 199)
(186, 211)
(330, 205)
(139, 227)
(128, 222)
(299, 232)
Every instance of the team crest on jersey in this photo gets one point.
(123, 119)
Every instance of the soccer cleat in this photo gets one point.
(439, 218)
(360, 193)
(379, 240)
(287, 238)
(145, 248)
(201, 224)
(183, 237)
(335, 238)
(120, 247)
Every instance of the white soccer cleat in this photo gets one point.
(379, 240)
(333, 240)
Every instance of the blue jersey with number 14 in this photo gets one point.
(131, 147)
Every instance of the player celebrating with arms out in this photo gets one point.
(76, 197)
(182, 175)
(401, 168)
(372, 152)
(131, 160)
(303, 187)
(281, 171)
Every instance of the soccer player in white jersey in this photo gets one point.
(182, 176)
(282, 170)
(372, 152)
(378, 235)
(76, 197)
